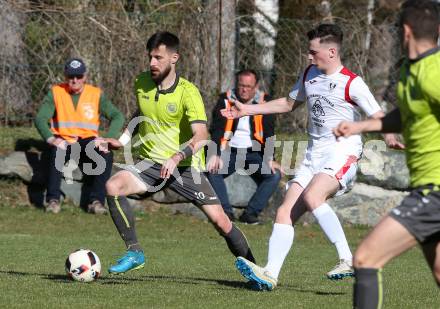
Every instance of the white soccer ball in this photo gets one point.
(83, 265)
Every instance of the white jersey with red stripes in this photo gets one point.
(332, 99)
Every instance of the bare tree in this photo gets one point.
(266, 18)
(370, 15)
(39, 35)
(14, 82)
(227, 43)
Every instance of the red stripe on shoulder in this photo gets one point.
(351, 76)
(306, 71)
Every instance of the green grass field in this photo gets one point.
(188, 266)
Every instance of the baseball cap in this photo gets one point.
(74, 66)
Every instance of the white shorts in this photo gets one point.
(337, 159)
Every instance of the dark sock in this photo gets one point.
(368, 290)
(123, 218)
(238, 244)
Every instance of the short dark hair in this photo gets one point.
(248, 72)
(422, 16)
(166, 38)
(327, 33)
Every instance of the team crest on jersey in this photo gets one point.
(317, 109)
(332, 86)
(171, 108)
(88, 111)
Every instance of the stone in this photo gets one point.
(16, 164)
(240, 189)
(365, 204)
(383, 167)
(72, 191)
(275, 201)
(168, 196)
(188, 209)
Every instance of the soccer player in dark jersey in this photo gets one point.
(417, 219)
(172, 131)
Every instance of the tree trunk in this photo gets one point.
(290, 47)
(208, 55)
(228, 42)
(266, 17)
(85, 48)
(14, 77)
(370, 11)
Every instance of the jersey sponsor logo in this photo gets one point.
(312, 81)
(331, 86)
(318, 121)
(317, 109)
(172, 108)
(321, 98)
(158, 123)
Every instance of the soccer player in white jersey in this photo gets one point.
(333, 93)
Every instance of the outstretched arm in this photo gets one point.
(277, 106)
(391, 139)
(105, 144)
(391, 123)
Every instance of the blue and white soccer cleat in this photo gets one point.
(130, 261)
(259, 278)
(342, 270)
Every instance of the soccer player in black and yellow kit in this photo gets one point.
(417, 219)
(172, 131)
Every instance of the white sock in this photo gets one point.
(332, 228)
(280, 243)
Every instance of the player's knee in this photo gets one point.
(361, 259)
(311, 201)
(110, 187)
(113, 186)
(221, 223)
(283, 213)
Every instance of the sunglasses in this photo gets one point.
(79, 76)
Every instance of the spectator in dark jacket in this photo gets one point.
(241, 143)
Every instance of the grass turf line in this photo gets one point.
(188, 266)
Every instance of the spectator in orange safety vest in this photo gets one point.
(68, 120)
(243, 141)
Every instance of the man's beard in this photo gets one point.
(161, 76)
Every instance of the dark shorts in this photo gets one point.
(419, 213)
(186, 181)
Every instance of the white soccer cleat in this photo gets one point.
(342, 270)
(258, 276)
